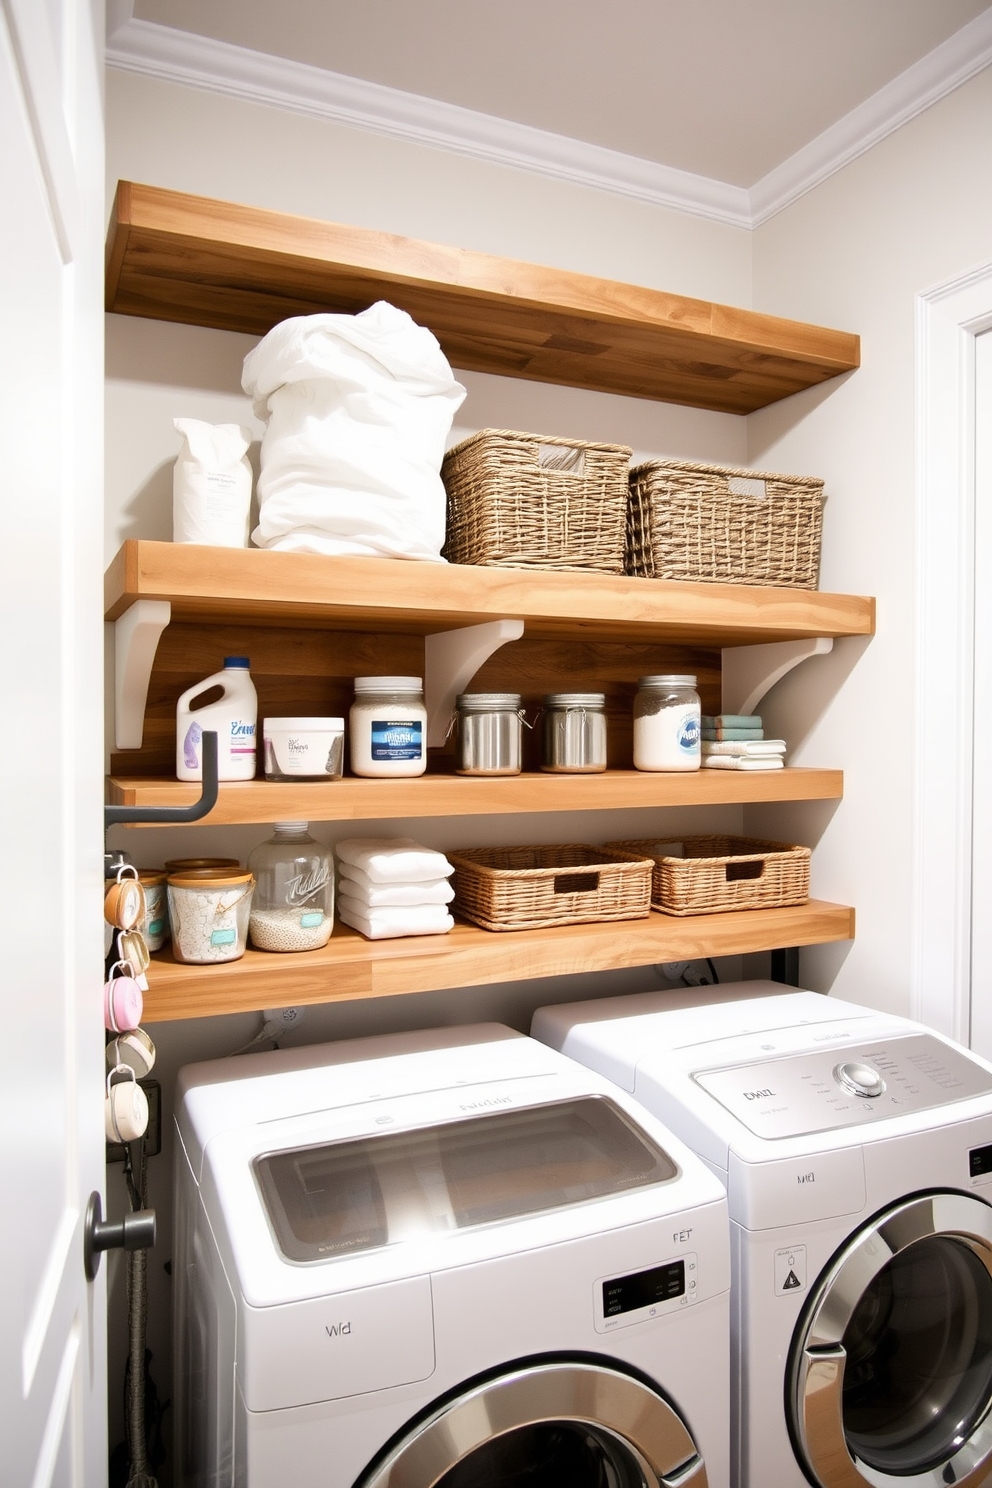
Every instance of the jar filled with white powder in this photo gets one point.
(666, 724)
(208, 912)
(293, 906)
(387, 726)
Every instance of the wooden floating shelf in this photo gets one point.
(190, 259)
(350, 967)
(353, 799)
(259, 587)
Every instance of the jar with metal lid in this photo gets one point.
(574, 732)
(666, 723)
(387, 726)
(490, 733)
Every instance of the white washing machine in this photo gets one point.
(451, 1258)
(857, 1153)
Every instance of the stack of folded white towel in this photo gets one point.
(392, 886)
(736, 741)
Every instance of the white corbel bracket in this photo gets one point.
(136, 638)
(451, 660)
(749, 672)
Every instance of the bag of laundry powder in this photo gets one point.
(211, 484)
(357, 410)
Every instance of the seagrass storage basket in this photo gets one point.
(530, 501)
(714, 525)
(706, 875)
(528, 888)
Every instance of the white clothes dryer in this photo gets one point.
(857, 1152)
(448, 1259)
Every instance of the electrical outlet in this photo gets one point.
(689, 973)
(281, 1020)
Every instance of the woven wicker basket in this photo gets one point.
(714, 525)
(526, 501)
(706, 875)
(527, 888)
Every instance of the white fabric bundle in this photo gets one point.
(389, 922)
(742, 762)
(358, 408)
(746, 748)
(358, 885)
(393, 860)
(211, 484)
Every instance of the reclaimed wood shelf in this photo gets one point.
(354, 799)
(350, 967)
(259, 587)
(171, 256)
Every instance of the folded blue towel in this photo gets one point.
(731, 733)
(731, 720)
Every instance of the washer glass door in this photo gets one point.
(892, 1367)
(568, 1424)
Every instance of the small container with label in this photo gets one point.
(303, 748)
(667, 724)
(387, 726)
(293, 907)
(208, 912)
(155, 925)
(573, 737)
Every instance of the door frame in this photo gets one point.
(949, 317)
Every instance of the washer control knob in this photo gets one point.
(859, 1079)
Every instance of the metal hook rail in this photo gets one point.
(152, 815)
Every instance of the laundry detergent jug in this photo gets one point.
(232, 717)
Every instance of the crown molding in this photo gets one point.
(949, 65)
(201, 62)
(218, 67)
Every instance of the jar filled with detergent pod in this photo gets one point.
(293, 904)
(387, 727)
(208, 913)
(667, 724)
(574, 732)
(232, 717)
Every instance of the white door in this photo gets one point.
(52, 1338)
(981, 879)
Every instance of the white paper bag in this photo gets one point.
(358, 408)
(211, 484)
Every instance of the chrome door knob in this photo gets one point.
(135, 1231)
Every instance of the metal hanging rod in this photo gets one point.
(151, 815)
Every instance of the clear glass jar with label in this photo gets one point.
(293, 905)
(387, 726)
(666, 724)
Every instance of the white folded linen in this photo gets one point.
(737, 762)
(748, 749)
(390, 922)
(358, 885)
(393, 859)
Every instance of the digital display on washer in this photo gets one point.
(980, 1161)
(643, 1289)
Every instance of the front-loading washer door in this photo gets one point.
(547, 1425)
(891, 1368)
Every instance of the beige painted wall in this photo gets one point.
(911, 213)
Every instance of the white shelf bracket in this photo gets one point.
(451, 660)
(136, 638)
(749, 672)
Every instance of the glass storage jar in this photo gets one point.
(490, 733)
(208, 913)
(573, 737)
(666, 724)
(293, 906)
(387, 726)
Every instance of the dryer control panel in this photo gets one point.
(823, 1089)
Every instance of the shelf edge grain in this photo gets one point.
(349, 967)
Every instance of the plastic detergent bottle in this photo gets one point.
(232, 717)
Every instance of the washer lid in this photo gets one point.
(829, 1088)
(339, 1198)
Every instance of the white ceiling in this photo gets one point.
(727, 89)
